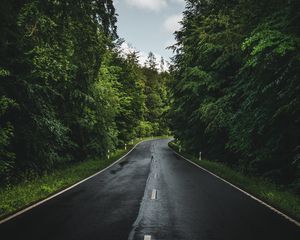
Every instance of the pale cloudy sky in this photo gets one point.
(148, 25)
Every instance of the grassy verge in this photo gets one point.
(16, 197)
(269, 192)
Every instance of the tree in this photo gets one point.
(52, 52)
(67, 93)
(235, 93)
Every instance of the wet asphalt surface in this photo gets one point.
(187, 204)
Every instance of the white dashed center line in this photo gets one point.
(154, 194)
(147, 237)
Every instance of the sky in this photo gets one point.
(148, 25)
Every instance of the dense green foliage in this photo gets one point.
(67, 93)
(236, 93)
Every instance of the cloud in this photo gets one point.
(154, 5)
(179, 1)
(172, 23)
(127, 48)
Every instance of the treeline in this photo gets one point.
(67, 92)
(236, 93)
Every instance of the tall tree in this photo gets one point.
(235, 90)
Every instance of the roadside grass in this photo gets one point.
(275, 195)
(16, 197)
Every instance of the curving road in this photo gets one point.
(151, 194)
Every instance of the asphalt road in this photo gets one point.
(151, 192)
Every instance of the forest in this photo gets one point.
(236, 88)
(67, 91)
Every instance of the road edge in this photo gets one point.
(68, 188)
(241, 190)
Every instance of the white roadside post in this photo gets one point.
(108, 154)
(125, 146)
(200, 156)
(179, 148)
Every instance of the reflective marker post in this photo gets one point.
(108, 154)
(125, 146)
(200, 156)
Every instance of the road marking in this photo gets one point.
(69, 188)
(155, 175)
(241, 190)
(147, 237)
(154, 194)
